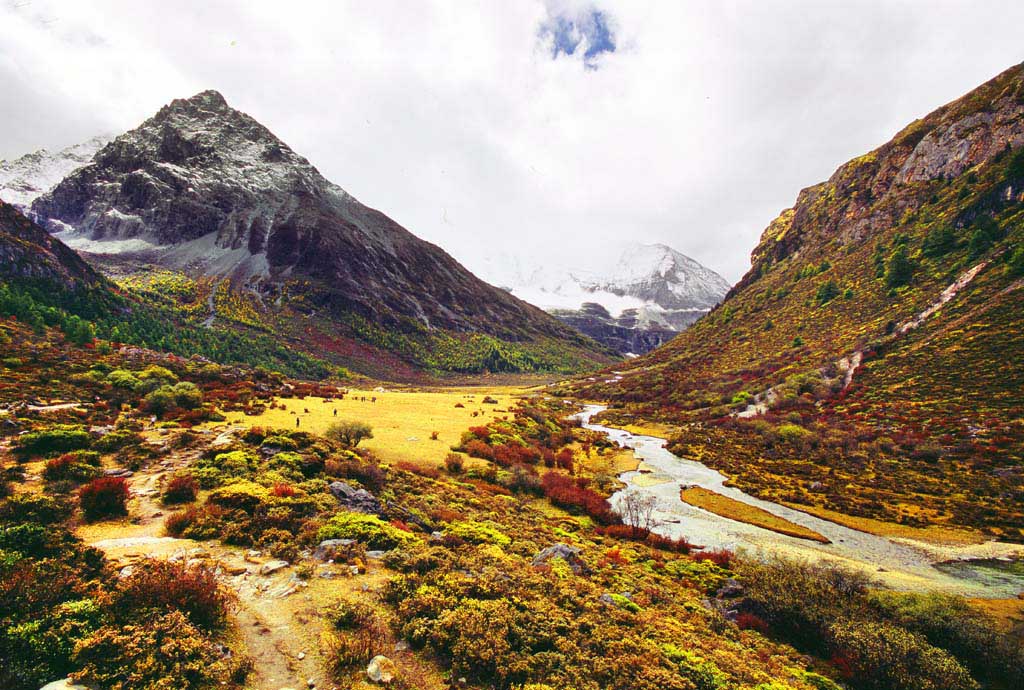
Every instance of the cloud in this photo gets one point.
(462, 121)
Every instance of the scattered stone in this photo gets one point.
(252, 556)
(126, 571)
(310, 683)
(569, 554)
(358, 500)
(381, 669)
(334, 550)
(272, 566)
(353, 570)
(234, 568)
(730, 589)
(300, 656)
(375, 554)
(118, 472)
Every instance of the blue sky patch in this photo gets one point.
(584, 34)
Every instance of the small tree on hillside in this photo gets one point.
(349, 433)
(900, 268)
(638, 512)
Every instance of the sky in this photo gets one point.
(532, 131)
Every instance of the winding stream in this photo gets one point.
(899, 563)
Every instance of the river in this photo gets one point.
(899, 563)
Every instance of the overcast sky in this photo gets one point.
(523, 128)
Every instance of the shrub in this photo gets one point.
(181, 489)
(26, 507)
(720, 557)
(163, 653)
(59, 439)
(454, 463)
(827, 292)
(366, 529)
(70, 467)
(572, 493)
(104, 497)
(900, 268)
(349, 433)
(165, 586)
(116, 440)
(478, 533)
(884, 657)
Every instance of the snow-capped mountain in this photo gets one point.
(206, 189)
(23, 179)
(648, 287)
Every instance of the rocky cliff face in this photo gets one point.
(624, 333)
(206, 189)
(878, 190)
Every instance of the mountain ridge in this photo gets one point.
(863, 302)
(203, 189)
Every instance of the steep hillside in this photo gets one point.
(204, 190)
(29, 253)
(867, 362)
(44, 283)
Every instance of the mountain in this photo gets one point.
(868, 361)
(29, 253)
(23, 179)
(638, 302)
(205, 191)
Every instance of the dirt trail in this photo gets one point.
(277, 613)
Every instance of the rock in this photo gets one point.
(310, 683)
(334, 550)
(569, 554)
(375, 554)
(381, 669)
(63, 684)
(118, 472)
(272, 567)
(252, 555)
(234, 568)
(359, 500)
(730, 588)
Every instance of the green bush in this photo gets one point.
(478, 533)
(366, 529)
(881, 656)
(349, 433)
(58, 439)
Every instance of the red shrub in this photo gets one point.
(481, 432)
(679, 545)
(421, 470)
(750, 621)
(104, 497)
(564, 459)
(162, 585)
(567, 492)
(282, 491)
(720, 557)
(181, 489)
(478, 449)
(509, 454)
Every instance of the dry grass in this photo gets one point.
(933, 534)
(402, 421)
(742, 512)
(1008, 613)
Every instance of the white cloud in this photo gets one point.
(453, 118)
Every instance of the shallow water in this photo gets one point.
(896, 563)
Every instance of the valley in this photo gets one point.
(257, 435)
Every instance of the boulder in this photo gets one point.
(272, 567)
(381, 669)
(570, 554)
(335, 550)
(358, 500)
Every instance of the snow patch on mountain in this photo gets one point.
(25, 178)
